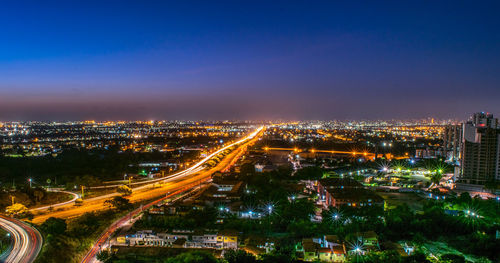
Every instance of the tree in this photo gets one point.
(193, 257)
(83, 225)
(491, 185)
(39, 194)
(310, 173)
(104, 256)
(124, 190)
(384, 257)
(54, 226)
(119, 203)
(239, 256)
(436, 178)
(16, 209)
(452, 258)
(464, 198)
(247, 169)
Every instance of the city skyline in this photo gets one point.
(128, 61)
(249, 131)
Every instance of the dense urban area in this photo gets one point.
(248, 191)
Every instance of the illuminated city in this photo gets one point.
(249, 132)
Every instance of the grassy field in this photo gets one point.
(394, 199)
(29, 201)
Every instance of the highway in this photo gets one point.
(179, 184)
(27, 240)
(193, 169)
(155, 188)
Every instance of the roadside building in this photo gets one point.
(338, 192)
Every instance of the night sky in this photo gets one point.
(129, 60)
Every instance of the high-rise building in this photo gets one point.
(452, 138)
(480, 147)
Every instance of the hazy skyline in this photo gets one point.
(128, 60)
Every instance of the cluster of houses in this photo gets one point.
(337, 192)
(331, 248)
(225, 192)
(181, 239)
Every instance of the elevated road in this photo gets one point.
(193, 169)
(181, 183)
(27, 240)
(158, 187)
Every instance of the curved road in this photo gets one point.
(72, 201)
(27, 240)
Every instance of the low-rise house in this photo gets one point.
(260, 244)
(203, 241)
(262, 168)
(392, 246)
(227, 239)
(338, 192)
(150, 238)
(368, 240)
(309, 249)
(184, 239)
(334, 254)
(331, 240)
(326, 249)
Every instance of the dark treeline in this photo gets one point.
(72, 164)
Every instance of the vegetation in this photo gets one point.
(119, 203)
(289, 220)
(68, 240)
(124, 190)
(16, 209)
(30, 196)
(75, 167)
(192, 257)
(193, 219)
(4, 240)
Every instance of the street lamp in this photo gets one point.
(335, 216)
(29, 180)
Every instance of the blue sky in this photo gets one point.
(248, 59)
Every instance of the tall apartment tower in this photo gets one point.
(480, 148)
(452, 138)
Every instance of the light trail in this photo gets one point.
(101, 242)
(153, 189)
(189, 170)
(352, 153)
(75, 196)
(27, 240)
(321, 151)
